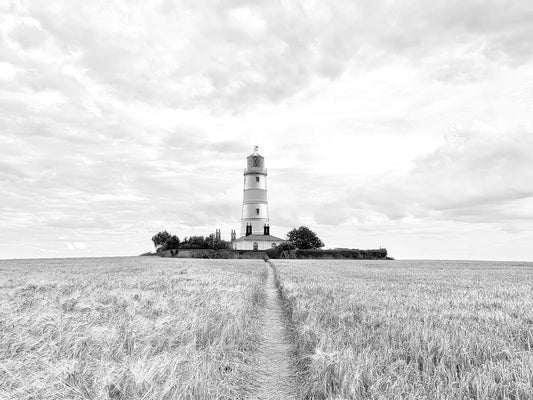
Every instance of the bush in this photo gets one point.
(286, 246)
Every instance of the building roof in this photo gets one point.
(259, 238)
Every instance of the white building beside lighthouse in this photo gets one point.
(255, 219)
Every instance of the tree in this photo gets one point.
(165, 241)
(172, 243)
(304, 238)
(194, 242)
(212, 242)
(160, 239)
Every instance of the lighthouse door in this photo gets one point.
(256, 246)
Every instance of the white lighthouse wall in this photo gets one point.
(250, 181)
(249, 211)
(261, 245)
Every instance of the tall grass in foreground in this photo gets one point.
(131, 328)
(411, 330)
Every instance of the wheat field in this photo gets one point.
(129, 328)
(152, 328)
(411, 330)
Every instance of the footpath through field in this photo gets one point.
(278, 372)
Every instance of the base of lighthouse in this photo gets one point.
(256, 242)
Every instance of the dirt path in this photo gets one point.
(277, 380)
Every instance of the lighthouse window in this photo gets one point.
(257, 211)
(257, 179)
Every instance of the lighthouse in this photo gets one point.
(254, 215)
(255, 218)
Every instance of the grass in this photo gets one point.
(129, 328)
(411, 330)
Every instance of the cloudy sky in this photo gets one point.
(402, 124)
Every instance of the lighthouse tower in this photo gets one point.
(255, 222)
(254, 215)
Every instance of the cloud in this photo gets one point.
(76, 245)
(261, 51)
(478, 174)
(28, 34)
(9, 172)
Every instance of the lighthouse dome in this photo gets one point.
(255, 162)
